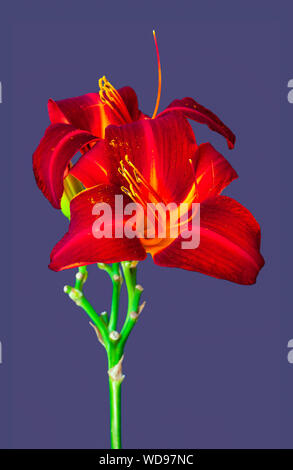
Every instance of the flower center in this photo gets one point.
(154, 208)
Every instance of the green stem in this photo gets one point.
(104, 317)
(84, 303)
(115, 413)
(130, 279)
(81, 277)
(78, 297)
(134, 293)
(115, 380)
(116, 281)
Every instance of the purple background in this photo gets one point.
(206, 365)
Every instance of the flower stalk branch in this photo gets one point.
(106, 329)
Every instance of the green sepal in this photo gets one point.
(65, 206)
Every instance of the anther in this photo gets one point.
(108, 95)
(127, 192)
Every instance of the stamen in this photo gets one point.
(109, 95)
(195, 182)
(134, 191)
(159, 77)
(127, 192)
(140, 179)
(189, 200)
(125, 173)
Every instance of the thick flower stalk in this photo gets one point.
(141, 162)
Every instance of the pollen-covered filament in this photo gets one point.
(110, 96)
(136, 183)
(140, 191)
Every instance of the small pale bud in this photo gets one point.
(101, 265)
(114, 335)
(76, 295)
(79, 276)
(139, 287)
(133, 315)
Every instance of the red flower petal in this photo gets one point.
(193, 110)
(59, 144)
(79, 247)
(94, 167)
(87, 112)
(229, 244)
(160, 149)
(212, 172)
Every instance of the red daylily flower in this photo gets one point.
(78, 123)
(146, 160)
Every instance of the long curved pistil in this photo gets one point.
(159, 77)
